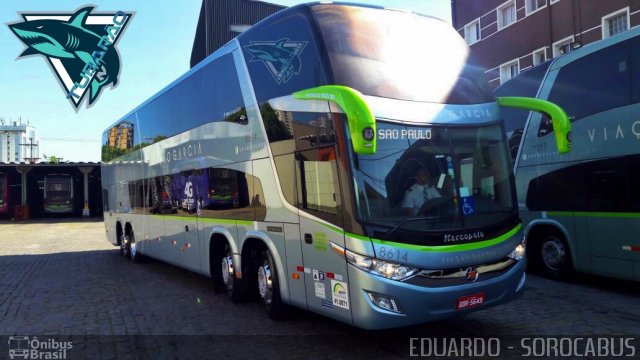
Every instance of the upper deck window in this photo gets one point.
(399, 55)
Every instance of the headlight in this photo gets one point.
(386, 269)
(519, 251)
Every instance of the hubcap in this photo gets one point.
(264, 280)
(227, 269)
(133, 249)
(553, 254)
(123, 245)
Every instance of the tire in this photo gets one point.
(124, 246)
(215, 261)
(123, 249)
(552, 256)
(231, 283)
(134, 255)
(269, 287)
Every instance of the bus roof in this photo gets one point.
(593, 47)
(232, 45)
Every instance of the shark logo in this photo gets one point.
(80, 48)
(281, 57)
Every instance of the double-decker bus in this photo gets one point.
(582, 212)
(300, 143)
(58, 194)
(4, 193)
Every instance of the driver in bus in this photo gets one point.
(417, 194)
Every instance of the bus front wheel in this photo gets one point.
(269, 286)
(552, 255)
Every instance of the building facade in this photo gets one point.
(511, 36)
(222, 20)
(19, 142)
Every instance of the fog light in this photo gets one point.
(384, 302)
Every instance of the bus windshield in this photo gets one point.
(430, 179)
(58, 189)
(376, 52)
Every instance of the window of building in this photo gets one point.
(553, 1)
(472, 32)
(535, 5)
(562, 47)
(615, 23)
(239, 28)
(539, 56)
(509, 70)
(506, 14)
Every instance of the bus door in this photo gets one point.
(320, 224)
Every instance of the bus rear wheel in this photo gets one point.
(228, 273)
(552, 256)
(123, 247)
(269, 286)
(134, 255)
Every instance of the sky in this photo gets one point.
(154, 50)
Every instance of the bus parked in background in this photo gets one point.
(582, 211)
(4, 193)
(58, 194)
(281, 166)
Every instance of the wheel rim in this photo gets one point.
(553, 254)
(132, 246)
(123, 246)
(264, 282)
(227, 269)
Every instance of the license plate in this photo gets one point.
(469, 301)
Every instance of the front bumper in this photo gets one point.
(420, 304)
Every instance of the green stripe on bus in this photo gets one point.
(452, 248)
(624, 215)
(206, 220)
(442, 248)
(330, 227)
(358, 237)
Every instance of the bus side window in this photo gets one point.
(594, 83)
(288, 131)
(317, 183)
(633, 179)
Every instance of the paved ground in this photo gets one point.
(65, 279)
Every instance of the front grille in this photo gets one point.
(460, 276)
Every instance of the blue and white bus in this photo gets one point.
(582, 212)
(281, 165)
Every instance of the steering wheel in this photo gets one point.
(430, 205)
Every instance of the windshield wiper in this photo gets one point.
(510, 212)
(410, 220)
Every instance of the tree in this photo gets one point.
(52, 159)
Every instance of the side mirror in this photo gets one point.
(559, 119)
(362, 123)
